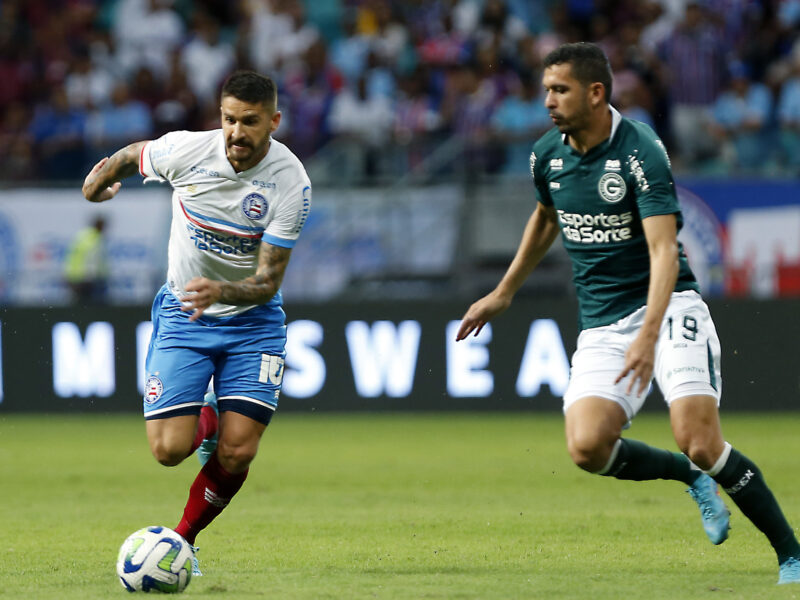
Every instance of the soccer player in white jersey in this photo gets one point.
(239, 202)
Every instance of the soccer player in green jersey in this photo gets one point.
(605, 183)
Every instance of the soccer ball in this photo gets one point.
(155, 559)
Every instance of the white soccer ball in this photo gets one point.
(155, 559)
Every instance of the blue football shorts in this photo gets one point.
(244, 354)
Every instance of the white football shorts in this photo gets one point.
(687, 356)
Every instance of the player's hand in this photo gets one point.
(639, 361)
(202, 293)
(89, 185)
(481, 312)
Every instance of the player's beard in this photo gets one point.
(246, 151)
(577, 122)
(240, 150)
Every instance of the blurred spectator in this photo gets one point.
(179, 108)
(86, 264)
(494, 70)
(207, 59)
(789, 116)
(118, 123)
(58, 132)
(498, 27)
(349, 52)
(17, 70)
(86, 85)
(300, 37)
(467, 109)
(739, 118)
(310, 88)
(694, 57)
(626, 101)
(518, 122)
(415, 119)
(381, 79)
(364, 123)
(630, 95)
(266, 28)
(789, 13)
(447, 47)
(391, 34)
(147, 89)
(146, 33)
(17, 161)
(661, 17)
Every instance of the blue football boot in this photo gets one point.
(715, 515)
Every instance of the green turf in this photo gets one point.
(385, 506)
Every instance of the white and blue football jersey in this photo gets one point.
(219, 216)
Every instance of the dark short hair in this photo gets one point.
(252, 87)
(589, 63)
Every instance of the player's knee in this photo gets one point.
(701, 447)
(588, 451)
(700, 453)
(236, 458)
(168, 455)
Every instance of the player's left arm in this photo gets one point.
(661, 232)
(257, 289)
(654, 188)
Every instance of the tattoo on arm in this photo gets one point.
(261, 287)
(123, 163)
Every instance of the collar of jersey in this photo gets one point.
(616, 119)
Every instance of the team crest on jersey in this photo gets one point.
(611, 187)
(153, 389)
(254, 206)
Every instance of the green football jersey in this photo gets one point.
(601, 198)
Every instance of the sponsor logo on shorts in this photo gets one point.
(698, 370)
(153, 389)
(254, 206)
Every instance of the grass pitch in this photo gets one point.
(389, 506)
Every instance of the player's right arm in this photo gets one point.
(104, 180)
(540, 233)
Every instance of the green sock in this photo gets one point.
(745, 484)
(636, 461)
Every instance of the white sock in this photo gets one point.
(611, 459)
(723, 458)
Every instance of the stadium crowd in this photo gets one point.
(719, 80)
